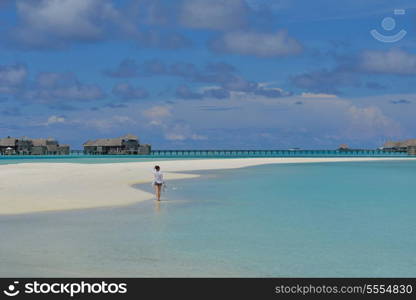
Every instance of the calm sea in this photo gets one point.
(321, 219)
(193, 154)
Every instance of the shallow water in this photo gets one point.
(321, 219)
(83, 159)
(192, 154)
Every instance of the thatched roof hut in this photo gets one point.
(8, 142)
(112, 142)
(400, 144)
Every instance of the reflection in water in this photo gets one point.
(338, 219)
(157, 206)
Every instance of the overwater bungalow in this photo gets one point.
(26, 146)
(128, 144)
(48, 147)
(8, 145)
(344, 147)
(408, 146)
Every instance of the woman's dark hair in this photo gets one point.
(157, 168)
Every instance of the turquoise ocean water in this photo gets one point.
(322, 219)
(192, 154)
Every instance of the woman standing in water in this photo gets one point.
(158, 182)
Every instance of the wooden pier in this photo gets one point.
(77, 152)
(257, 153)
(272, 153)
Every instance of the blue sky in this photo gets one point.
(208, 74)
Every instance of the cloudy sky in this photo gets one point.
(209, 73)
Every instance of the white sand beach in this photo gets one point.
(42, 187)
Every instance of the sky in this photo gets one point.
(217, 74)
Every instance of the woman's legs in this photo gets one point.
(158, 190)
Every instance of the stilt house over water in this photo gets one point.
(128, 144)
(26, 146)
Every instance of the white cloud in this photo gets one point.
(317, 95)
(50, 79)
(123, 119)
(356, 121)
(105, 124)
(157, 115)
(175, 137)
(156, 112)
(11, 76)
(213, 14)
(160, 118)
(394, 61)
(45, 22)
(370, 122)
(198, 137)
(54, 120)
(52, 87)
(259, 44)
(102, 124)
(259, 120)
(182, 132)
(126, 91)
(57, 24)
(79, 92)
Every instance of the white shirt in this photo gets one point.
(158, 177)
